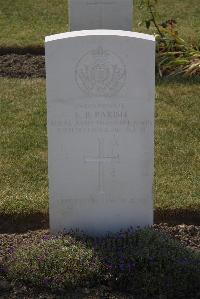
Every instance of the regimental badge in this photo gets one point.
(100, 73)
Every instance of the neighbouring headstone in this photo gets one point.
(100, 94)
(100, 14)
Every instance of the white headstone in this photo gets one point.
(100, 14)
(100, 93)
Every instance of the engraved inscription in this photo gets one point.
(100, 2)
(100, 73)
(83, 125)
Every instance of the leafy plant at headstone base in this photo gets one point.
(173, 55)
(55, 262)
(143, 263)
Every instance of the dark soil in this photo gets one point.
(38, 221)
(188, 235)
(22, 66)
(23, 223)
(34, 50)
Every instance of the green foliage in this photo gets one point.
(150, 12)
(149, 264)
(55, 263)
(174, 55)
(144, 263)
(185, 12)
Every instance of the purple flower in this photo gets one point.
(10, 250)
(122, 258)
(46, 281)
(129, 267)
(122, 267)
(151, 258)
(40, 258)
(46, 237)
(109, 266)
(133, 265)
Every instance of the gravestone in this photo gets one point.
(100, 14)
(100, 94)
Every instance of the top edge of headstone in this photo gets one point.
(98, 32)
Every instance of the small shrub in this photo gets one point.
(149, 264)
(56, 263)
(144, 263)
(173, 55)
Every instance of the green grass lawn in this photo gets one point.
(23, 148)
(25, 23)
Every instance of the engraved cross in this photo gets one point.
(100, 160)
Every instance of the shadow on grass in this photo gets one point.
(24, 223)
(178, 80)
(34, 50)
(177, 216)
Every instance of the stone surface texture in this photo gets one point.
(100, 98)
(100, 14)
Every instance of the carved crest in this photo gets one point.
(100, 73)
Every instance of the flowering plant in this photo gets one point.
(173, 55)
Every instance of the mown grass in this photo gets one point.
(177, 180)
(25, 23)
(23, 147)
